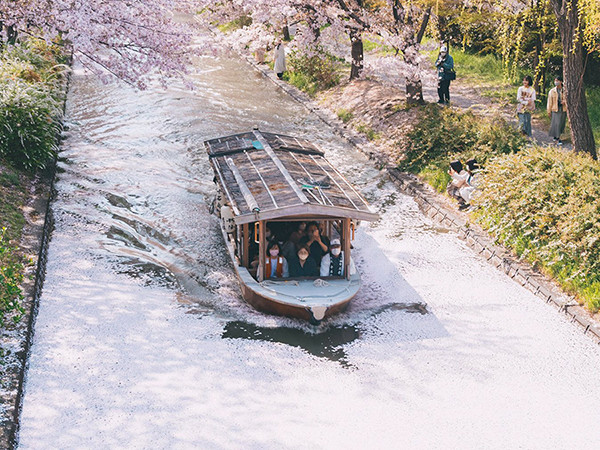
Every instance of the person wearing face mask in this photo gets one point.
(445, 69)
(276, 265)
(332, 264)
(556, 110)
(302, 265)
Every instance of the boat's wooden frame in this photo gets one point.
(268, 177)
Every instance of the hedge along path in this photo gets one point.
(437, 208)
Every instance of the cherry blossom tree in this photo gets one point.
(132, 40)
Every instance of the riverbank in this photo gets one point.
(15, 338)
(375, 119)
(33, 96)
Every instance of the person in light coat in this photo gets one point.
(279, 66)
(556, 110)
(332, 264)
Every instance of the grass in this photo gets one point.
(12, 199)
(345, 115)
(369, 132)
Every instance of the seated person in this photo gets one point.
(298, 233)
(276, 266)
(332, 264)
(459, 180)
(319, 245)
(302, 265)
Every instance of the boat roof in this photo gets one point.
(269, 175)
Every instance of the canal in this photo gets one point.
(143, 341)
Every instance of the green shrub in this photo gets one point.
(313, 73)
(11, 277)
(31, 84)
(28, 124)
(443, 134)
(345, 115)
(544, 203)
(368, 131)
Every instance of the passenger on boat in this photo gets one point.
(319, 245)
(332, 264)
(298, 233)
(290, 246)
(303, 265)
(276, 265)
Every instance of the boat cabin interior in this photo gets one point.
(251, 241)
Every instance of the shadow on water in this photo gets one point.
(324, 345)
(327, 344)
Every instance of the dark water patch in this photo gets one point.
(149, 273)
(118, 201)
(123, 236)
(419, 308)
(327, 344)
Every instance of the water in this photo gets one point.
(143, 340)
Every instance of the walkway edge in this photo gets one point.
(432, 204)
(35, 292)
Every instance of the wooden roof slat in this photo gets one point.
(250, 200)
(262, 179)
(336, 183)
(281, 167)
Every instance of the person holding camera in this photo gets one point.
(445, 68)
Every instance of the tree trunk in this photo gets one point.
(414, 86)
(414, 91)
(536, 69)
(424, 23)
(286, 33)
(11, 37)
(566, 12)
(357, 56)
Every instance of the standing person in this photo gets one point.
(332, 264)
(526, 105)
(279, 67)
(556, 110)
(445, 68)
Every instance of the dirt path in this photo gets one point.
(467, 95)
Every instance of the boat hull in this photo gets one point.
(268, 305)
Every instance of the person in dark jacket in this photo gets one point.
(318, 244)
(445, 68)
(302, 265)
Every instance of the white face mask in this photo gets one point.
(274, 252)
(336, 251)
(302, 256)
(557, 83)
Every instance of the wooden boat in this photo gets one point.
(269, 180)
